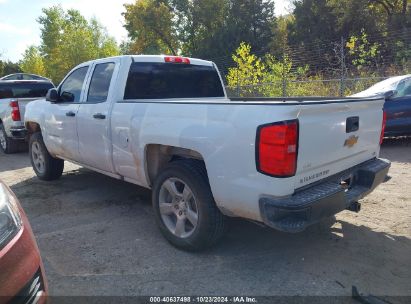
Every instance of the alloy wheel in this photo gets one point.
(38, 157)
(178, 207)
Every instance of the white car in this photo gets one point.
(397, 86)
(397, 106)
(165, 123)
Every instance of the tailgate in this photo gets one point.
(334, 137)
(22, 105)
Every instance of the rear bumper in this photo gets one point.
(323, 199)
(18, 132)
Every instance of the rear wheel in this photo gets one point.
(184, 206)
(7, 144)
(44, 165)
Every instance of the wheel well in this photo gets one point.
(158, 156)
(32, 127)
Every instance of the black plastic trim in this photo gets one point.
(252, 101)
(26, 295)
(18, 133)
(352, 124)
(312, 203)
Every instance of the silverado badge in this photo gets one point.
(351, 141)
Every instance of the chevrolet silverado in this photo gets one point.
(165, 123)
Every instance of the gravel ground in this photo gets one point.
(97, 236)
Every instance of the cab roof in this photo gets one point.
(158, 58)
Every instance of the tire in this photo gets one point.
(7, 144)
(51, 168)
(210, 224)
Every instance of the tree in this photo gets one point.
(363, 53)
(33, 62)
(199, 28)
(150, 27)
(396, 12)
(314, 22)
(7, 67)
(328, 20)
(269, 76)
(202, 27)
(68, 39)
(249, 71)
(252, 21)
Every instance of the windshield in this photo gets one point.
(381, 87)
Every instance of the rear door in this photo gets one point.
(156, 79)
(93, 122)
(61, 118)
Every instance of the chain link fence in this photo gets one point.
(323, 68)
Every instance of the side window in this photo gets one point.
(100, 82)
(404, 88)
(407, 87)
(70, 89)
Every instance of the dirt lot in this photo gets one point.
(98, 237)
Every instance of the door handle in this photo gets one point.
(70, 114)
(99, 116)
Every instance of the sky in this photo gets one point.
(19, 29)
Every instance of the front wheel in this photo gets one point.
(184, 206)
(44, 165)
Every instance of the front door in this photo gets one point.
(60, 132)
(93, 122)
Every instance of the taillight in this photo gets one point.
(277, 148)
(176, 59)
(384, 122)
(15, 111)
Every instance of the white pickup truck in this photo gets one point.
(165, 123)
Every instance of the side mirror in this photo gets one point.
(52, 95)
(390, 94)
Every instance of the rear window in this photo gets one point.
(24, 90)
(148, 80)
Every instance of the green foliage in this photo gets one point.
(268, 76)
(403, 55)
(32, 61)
(216, 29)
(249, 71)
(150, 27)
(67, 39)
(199, 28)
(363, 52)
(314, 21)
(7, 67)
(324, 20)
(318, 23)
